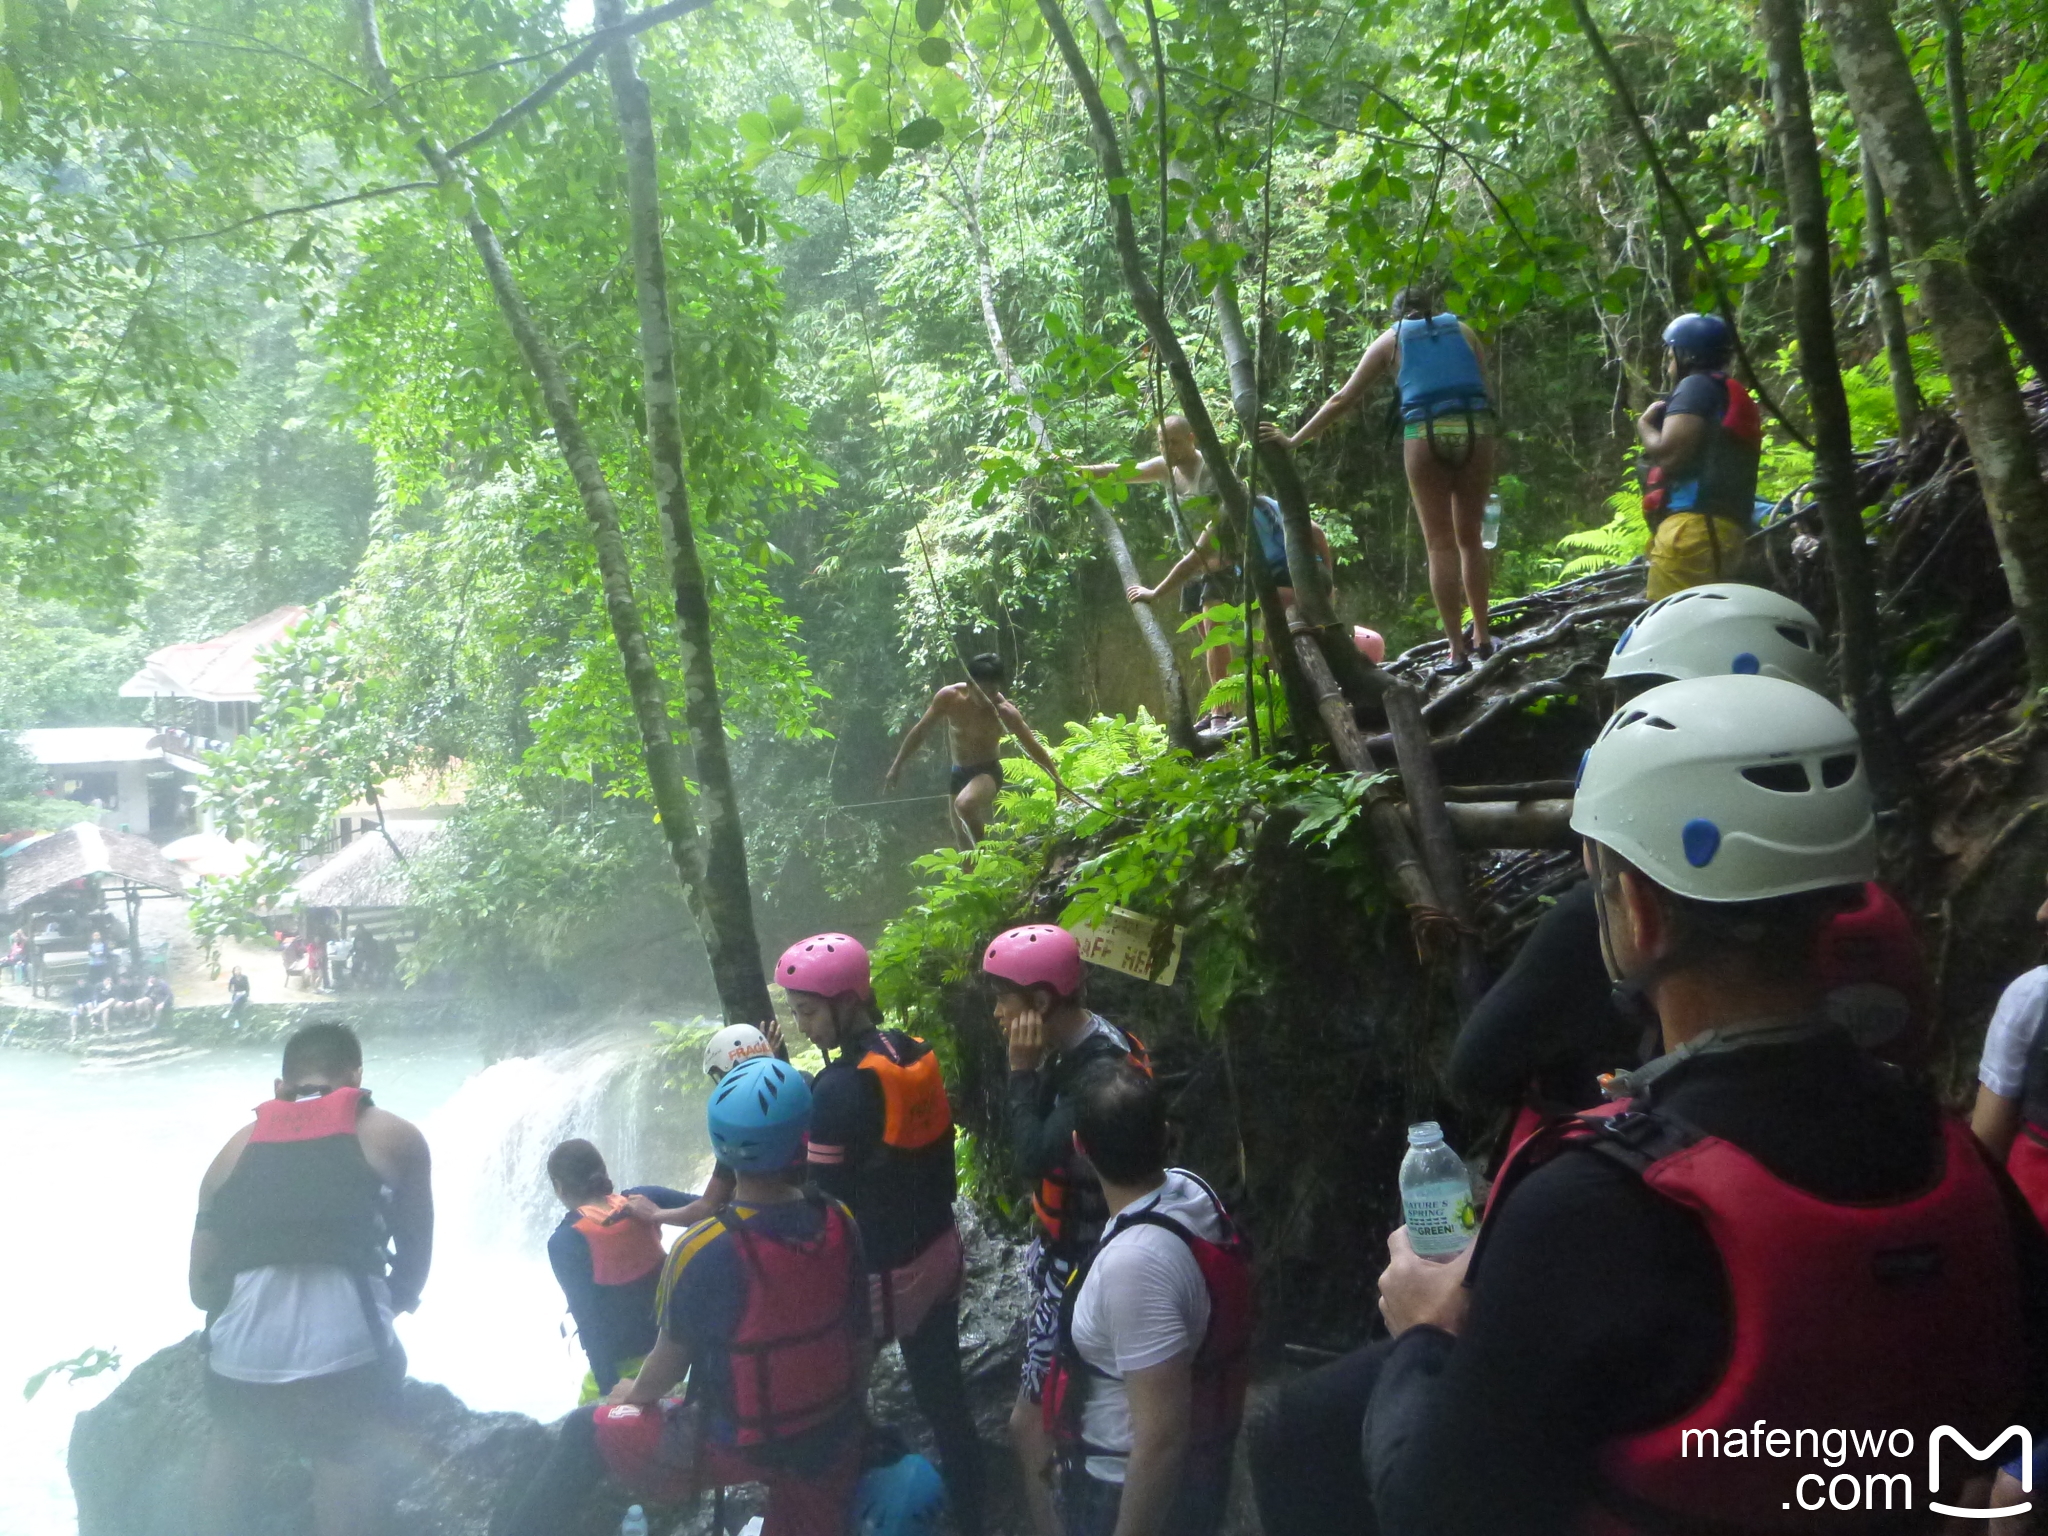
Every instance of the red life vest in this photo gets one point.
(1869, 960)
(621, 1251)
(795, 1356)
(1068, 1202)
(903, 1191)
(1875, 1317)
(1222, 1365)
(1713, 482)
(302, 1192)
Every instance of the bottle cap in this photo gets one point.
(1425, 1133)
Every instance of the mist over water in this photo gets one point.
(101, 1170)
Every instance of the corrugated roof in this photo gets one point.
(365, 873)
(66, 745)
(74, 853)
(220, 671)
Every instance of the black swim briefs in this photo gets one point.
(965, 774)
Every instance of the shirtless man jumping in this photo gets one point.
(978, 716)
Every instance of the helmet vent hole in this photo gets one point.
(1659, 722)
(1794, 635)
(1784, 778)
(1838, 770)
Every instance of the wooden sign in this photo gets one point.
(1132, 944)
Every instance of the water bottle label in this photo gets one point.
(1440, 1218)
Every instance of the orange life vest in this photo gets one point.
(621, 1251)
(903, 1191)
(1068, 1203)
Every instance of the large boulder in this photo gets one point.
(136, 1459)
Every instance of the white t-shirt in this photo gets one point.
(288, 1322)
(1142, 1302)
(2015, 1025)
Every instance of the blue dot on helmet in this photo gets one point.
(1702, 840)
(1746, 664)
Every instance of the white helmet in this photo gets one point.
(733, 1045)
(1731, 789)
(1724, 628)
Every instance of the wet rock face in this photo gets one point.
(136, 1460)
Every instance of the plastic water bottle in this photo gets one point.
(1489, 522)
(635, 1523)
(1436, 1194)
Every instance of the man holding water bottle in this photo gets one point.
(1768, 1226)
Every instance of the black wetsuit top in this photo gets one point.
(1550, 1026)
(1598, 1309)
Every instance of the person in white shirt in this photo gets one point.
(2011, 1113)
(315, 1227)
(1148, 1384)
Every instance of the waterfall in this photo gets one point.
(492, 1324)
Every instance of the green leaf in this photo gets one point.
(1119, 186)
(935, 51)
(784, 112)
(300, 249)
(929, 13)
(755, 128)
(852, 10)
(921, 133)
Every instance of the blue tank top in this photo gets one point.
(1439, 373)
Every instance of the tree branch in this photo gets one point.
(281, 213)
(586, 58)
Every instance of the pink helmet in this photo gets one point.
(1370, 644)
(1036, 955)
(828, 964)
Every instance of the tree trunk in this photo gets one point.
(1891, 309)
(1857, 657)
(643, 679)
(1416, 759)
(1180, 724)
(726, 897)
(1962, 142)
(1151, 310)
(1895, 127)
(2005, 249)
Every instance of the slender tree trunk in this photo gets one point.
(1151, 310)
(1314, 592)
(726, 897)
(1891, 309)
(1962, 141)
(643, 679)
(1895, 127)
(1834, 460)
(1180, 724)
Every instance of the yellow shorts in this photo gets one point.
(1691, 549)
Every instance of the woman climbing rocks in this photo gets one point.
(1207, 575)
(1448, 430)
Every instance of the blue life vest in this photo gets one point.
(1272, 537)
(1439, 372)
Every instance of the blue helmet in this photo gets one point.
(903, 1498)
(758, 1115)
(1703, 340)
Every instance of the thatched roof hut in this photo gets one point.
(367, 875)
(51, 863)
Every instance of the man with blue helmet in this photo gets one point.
(764, 1306)
(1702, 445)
